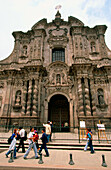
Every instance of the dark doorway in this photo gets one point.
(59, 113)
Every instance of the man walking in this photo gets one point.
(44, 141)
(47, 129)
(90, 141)
(32, 144)
(22, 138)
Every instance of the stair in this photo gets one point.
(62, 146)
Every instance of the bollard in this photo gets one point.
(71, 161)
(11, 157)
(103, 161)
(40, 160)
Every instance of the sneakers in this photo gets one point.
(6, 155)
(37, 157)
(25, 157)
(46, 155)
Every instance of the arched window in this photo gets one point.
(100, 97)
(18, 98)
(58, 54)
(58, 79)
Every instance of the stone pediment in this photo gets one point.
(57, 65)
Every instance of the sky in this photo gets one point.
(21, 15)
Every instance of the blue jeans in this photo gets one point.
(91, 146)
(9, 151)
(43, 146)
(48, 137)
(85, 148)
(32, 145)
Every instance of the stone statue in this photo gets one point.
(101, 100)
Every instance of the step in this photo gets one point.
(6, 146)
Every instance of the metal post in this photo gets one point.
(103, 161)
(71, 161)
(11, 157)
(40, 160)
(79, 134)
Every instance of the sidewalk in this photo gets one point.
(59, 159)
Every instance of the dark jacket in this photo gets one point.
(44, 138)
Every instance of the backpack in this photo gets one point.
(90, 135)
(9, 140)
(25, 136)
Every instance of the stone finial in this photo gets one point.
(58, 15)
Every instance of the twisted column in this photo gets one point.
(92, 94)
(29, 98)
(87, 99)
(35, 99)
(24, 98)
(80, 98)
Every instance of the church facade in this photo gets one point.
(58, 71)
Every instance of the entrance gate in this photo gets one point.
(59, 112)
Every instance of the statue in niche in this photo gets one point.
(100, 97)
(58, 79)
(0, 102)
(93, 47)
(18, 98)
(24, 51)
(63, 79)
(53, 79)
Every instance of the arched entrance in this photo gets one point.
(58, 112)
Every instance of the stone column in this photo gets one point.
(39, 93)
(93, 97)
(35, 99)
(80, 98)
(8, 98)
(45, 111)
(24, 98)
(71, 116)
(87, 99)
(29, 98)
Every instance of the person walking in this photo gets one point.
(22, 138)
(85, 148)
(90, 141)
(13, 144)
(36, 137)
(51, 125)
(44, 141)
(47, 129)
(32, 144)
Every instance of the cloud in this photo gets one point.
(23, 14)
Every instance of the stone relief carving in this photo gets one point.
(24, 52)
(1, 84)
(0, 101)
(101, 102)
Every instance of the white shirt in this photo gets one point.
(47, 129)
(30, 136)
(22, 133)
(13, 143)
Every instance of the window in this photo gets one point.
(58, 55)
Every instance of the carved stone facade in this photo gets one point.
(64, 59)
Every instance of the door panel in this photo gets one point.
(59, 111)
